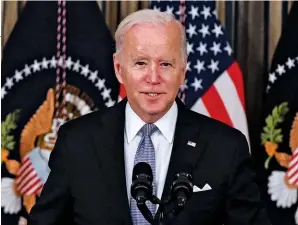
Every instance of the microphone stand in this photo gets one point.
(161, 219)
(165, 218)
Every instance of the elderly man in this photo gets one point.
(94, 156)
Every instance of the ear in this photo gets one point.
(183, 73)
(117, 67)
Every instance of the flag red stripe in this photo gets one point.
(24, 165)
(39, 189)
(35, 189)
(30, 187)
(293, 165)
(122, 91)
(215, 106)
(236, 76)
(27, 180)
(295, 182)
(25, 174)
(29, 183)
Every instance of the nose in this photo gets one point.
(153, 75)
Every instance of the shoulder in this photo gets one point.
(91, 121)
(216, 132)
(222, 144)
(214, 127)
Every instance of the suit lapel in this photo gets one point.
(109, 145)
(184, 157)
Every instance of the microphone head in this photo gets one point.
(141, 187)
(182, 184)
(142, 168)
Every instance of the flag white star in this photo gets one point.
(213, 66)
(214, 13)
(188, 68)
(100, 84)
(156, 8)
(217, 30)
(197, 84)
(76, 66)
(206, 12)
(27, 70)
(3, 92)
(204, 30)
(280, 69)
(110, 103)
(36, 66)
(268, 88)
(189, 48)
(202, 48)
(18, 76)
(228, 49)
(272, 77)
(44, 63)
(85, 70)
(215, 48)
(68, 63)
(170, 10)
(184, 86)
(191, 30)
(93, 76)
(290, 63)
(199, 66)
(106, 93)
(194, 12)
(53, 62)
(22, 221)
(9, 82)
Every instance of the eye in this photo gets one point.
(166, 64)
(140, 63)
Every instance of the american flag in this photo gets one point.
(213, 85)
(292, 173)
(28, 179)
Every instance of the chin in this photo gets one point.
(155, 109)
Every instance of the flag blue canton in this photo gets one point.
(209, 53)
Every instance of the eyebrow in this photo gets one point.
(138, 58)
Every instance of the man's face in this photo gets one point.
(151, 68)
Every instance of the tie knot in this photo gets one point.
(148, 129)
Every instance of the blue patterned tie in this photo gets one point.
(145, 153)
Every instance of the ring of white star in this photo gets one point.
(51, 64)
(280, 70)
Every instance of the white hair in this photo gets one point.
(148, 16)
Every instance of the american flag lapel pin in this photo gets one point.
(190, 143)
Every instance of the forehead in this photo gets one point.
(153, 36)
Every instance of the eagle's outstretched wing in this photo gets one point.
(40, 123)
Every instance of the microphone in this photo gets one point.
(181, 190)
(141, 188)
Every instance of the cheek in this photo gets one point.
(172, 82)
(135, 79)
(132, 82)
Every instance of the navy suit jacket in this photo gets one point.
(87, 182)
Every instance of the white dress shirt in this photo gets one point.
(162, 141)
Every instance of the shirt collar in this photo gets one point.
(166, 124)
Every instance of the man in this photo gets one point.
(92, 163)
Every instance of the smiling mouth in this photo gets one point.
(152, 94)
